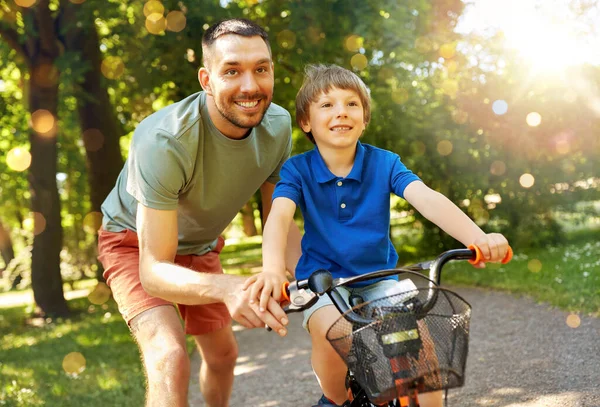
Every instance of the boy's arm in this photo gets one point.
(445, 214)
(275, 241)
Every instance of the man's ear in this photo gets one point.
(204, 79)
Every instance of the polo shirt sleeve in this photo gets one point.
(156, 169)
(290, 184)
(400, 176)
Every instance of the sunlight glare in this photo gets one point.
(534, 119)
(176, 21)
(573, 321)
(526, 180)
(500, 107)
(74, 363)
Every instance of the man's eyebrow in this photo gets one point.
(237, 63)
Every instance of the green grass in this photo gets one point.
(31, 359)
(567, 277)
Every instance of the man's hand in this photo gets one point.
(248, 314)
(264, 285)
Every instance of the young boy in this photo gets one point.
(343, 189)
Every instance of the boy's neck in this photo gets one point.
(338, 161)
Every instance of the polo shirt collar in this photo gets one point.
(323, 175)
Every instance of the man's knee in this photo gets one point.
(223, 359)
(162, 343)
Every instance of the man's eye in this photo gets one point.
(262, 70)
(230, 72)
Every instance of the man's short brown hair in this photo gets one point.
(319, 79)
(237, 26)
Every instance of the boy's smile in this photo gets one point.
(336, 119)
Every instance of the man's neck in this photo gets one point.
(228, 129)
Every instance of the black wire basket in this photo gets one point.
(418, 342)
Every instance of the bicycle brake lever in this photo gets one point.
(300, 299)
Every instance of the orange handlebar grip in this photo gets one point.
(284, 292)
(479, 256)
(509, 255)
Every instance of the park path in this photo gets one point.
(521, 354)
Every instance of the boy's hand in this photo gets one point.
(494, 247)
(265, 284)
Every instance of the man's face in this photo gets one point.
(240, 80)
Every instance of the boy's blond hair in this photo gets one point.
(319, 79)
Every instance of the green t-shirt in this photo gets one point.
(179, 160)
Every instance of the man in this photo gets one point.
(191, 167)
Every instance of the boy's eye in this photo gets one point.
(326, 105)
(353, 104)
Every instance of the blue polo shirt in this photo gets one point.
(346, 220)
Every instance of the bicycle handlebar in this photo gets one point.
(322, 282)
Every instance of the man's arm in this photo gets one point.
(293, 249)
(160, 277)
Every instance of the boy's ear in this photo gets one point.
(305, 127)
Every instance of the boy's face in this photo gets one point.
(337, 119)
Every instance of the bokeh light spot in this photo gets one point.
(112, 67)
(35, 223)
(447, 51)
(460, 116)
(286, 39)
(153, 6)
(92, 222)
(418, 148)
(498, 168)
(573, 321)
(359, 62)
(500, 107)
(444, 147)
(450, 87)
(534, 265)
(45, 75)
(77, 1)
(562, 146)
(400, 96)
(423, 45)
(74, 363)
(18, 159)
(156, 23)
(534, 119)
(190, 55)
(526, 180)
(93, 139)
(176, 21)
(25, 3)
(100, 294)
(42, 121)
(354, 43)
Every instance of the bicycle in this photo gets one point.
(401, 345)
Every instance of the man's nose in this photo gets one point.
(249, 83)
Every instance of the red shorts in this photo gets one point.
(119, 254)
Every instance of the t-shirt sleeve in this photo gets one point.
(274, 177)
(400, 176)
(156, 166)
(290, 184)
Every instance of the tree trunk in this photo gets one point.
(6, 248)
(100, 128)
(46, 279)
(248, 220)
